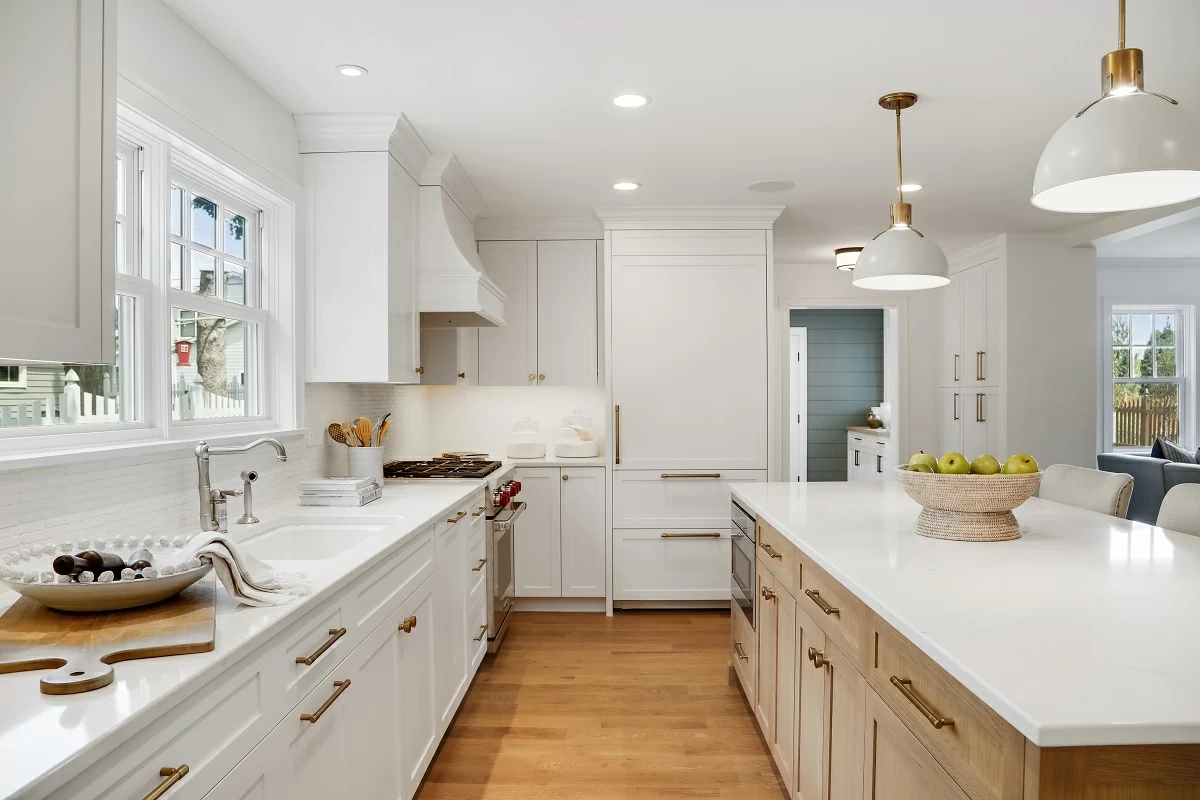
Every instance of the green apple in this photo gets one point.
(953, 464)
(1020, 464)
(985, 465)
(921, 466)
(923, 458)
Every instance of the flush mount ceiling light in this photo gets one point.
(910, 187)
(630, 100)
(771, 186)
(352, 70)
(626, 186)
(901, 258)
(1130, 149)
(846, 257)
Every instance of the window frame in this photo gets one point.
(144, 351)
(1185, 368)
(22, 381)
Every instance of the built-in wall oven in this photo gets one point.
(742, 534)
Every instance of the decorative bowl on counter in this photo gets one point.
(968, 508)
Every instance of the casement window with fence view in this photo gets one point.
(191, 310)
(1149, 375)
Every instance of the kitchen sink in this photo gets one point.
(309, 541)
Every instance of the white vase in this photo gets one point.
(365, 462)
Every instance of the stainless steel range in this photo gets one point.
(502, 511)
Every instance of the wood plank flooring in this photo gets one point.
(586, 707)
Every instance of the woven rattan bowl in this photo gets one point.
(968, 508)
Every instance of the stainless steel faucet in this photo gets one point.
(214, 514)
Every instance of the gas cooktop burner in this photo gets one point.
(440, 468)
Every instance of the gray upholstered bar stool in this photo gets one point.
(1180, 510)
(1104, 492)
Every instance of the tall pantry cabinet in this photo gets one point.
(687, 329)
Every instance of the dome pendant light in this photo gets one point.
(901, 258)
(1130, 149)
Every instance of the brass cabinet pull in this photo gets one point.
(408, 624)
(341, 687)
(905, 687)
(673, 475)
(457, 517)
(768, 594)
(771, 551)
(978, 365)
(956, 406)
(420, 370)
(565, 477)
(532, 376)
(982, 418)
(982, 353)
(956, 366)
(817, 657)
(815, 596)
(334, 635)
(541, 377)
(172, 775)
(737, 648)
(480, 511)
(482, 561)
(690, 535)
(462, 374)
(617, 432)
(482, 633)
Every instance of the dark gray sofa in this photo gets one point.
(1152, 479)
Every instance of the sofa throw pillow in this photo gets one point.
(1165, 448)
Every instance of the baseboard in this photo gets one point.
(635, 605)
(559, 604)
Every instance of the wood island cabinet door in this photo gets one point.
(813, 713)
(846, 698)
(783, 737)
(764, 706)
(898, 767)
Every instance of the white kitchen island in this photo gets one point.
(1081, 636)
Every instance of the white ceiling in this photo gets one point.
(1177, 241)
(743, 91)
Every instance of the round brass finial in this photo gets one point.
(898, 101)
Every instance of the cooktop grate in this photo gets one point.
(440, 468)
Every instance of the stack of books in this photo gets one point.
(352, 492)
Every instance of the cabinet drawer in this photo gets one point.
(837, 612)
(310, 648)
(898, 767)
(671, 565)
(676, 499)
(476, 567)
(381, 588)
(780, 556)
(742, 649)
(982, 752)
(477, 631)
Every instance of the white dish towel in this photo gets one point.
(247, 579)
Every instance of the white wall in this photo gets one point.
(920, 345)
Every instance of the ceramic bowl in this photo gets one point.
(108, 596)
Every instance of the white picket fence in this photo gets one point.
(189, 400)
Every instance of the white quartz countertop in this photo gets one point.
(47, 740)
(1085, 631)
(551, 460)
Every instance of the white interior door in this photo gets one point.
(508, 355)
(566, 313)
(799, 395)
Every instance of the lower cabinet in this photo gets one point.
(900, 768)
(449, 616)
(676, 565)
(560, 535)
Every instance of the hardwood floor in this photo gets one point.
(581, 706)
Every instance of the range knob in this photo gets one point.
(514, 488)
(501, 497)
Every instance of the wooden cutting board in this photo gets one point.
(81, 647)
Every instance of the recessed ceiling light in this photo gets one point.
(352, 70)
(771, 186)
(626, 186)
(910, 187)
(630, 100)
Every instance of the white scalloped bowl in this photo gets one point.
(108, 596)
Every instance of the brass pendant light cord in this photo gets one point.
(900, 157)
(1121, 25)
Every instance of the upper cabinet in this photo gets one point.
(551, 310)
(57, 209)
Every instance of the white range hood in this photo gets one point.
(455, 290)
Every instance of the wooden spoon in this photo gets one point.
(383, 431)
(348, 432)
(336, 433)
(362, 428)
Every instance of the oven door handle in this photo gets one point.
(505, 524)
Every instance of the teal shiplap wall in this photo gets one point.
(845, 378)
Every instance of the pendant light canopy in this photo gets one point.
(901, 258)
(846, 257)
(1130, 149)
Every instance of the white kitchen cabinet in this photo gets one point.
(450, 356)
(869, 457)
(673, 565)
(581, 528)
(972, 318)
(361, 217)
(566, 312)
(676, 499)
(981, 429)
(57, 202)
(508, 355)
(688, 364)
(950, 419)
(416, 678)
(538, 567)
(449, 616)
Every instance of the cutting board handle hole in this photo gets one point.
(76, 674)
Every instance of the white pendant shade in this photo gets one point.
(1126, 152)
(901, 260)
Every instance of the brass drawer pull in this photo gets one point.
(905, 687)
(768, 594)
(978, 365)
(956, 366)
(420, 370)
(341, 687)
(817, 657)
(671, 475)
(815, 596)
(737, 648)
(462, 374)
(690, 535)
(408, 624)
(334, 635)
(173, 775)
(457, 517)
(771, 551)
(477, 513)
(482, 633)
(482, 561)
(617, 432)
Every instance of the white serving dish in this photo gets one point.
(109, 596)
(576, 448)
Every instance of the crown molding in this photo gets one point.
(446, 171)
(689, 217)
(357, 133)
(537, 228)
(976, 255)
